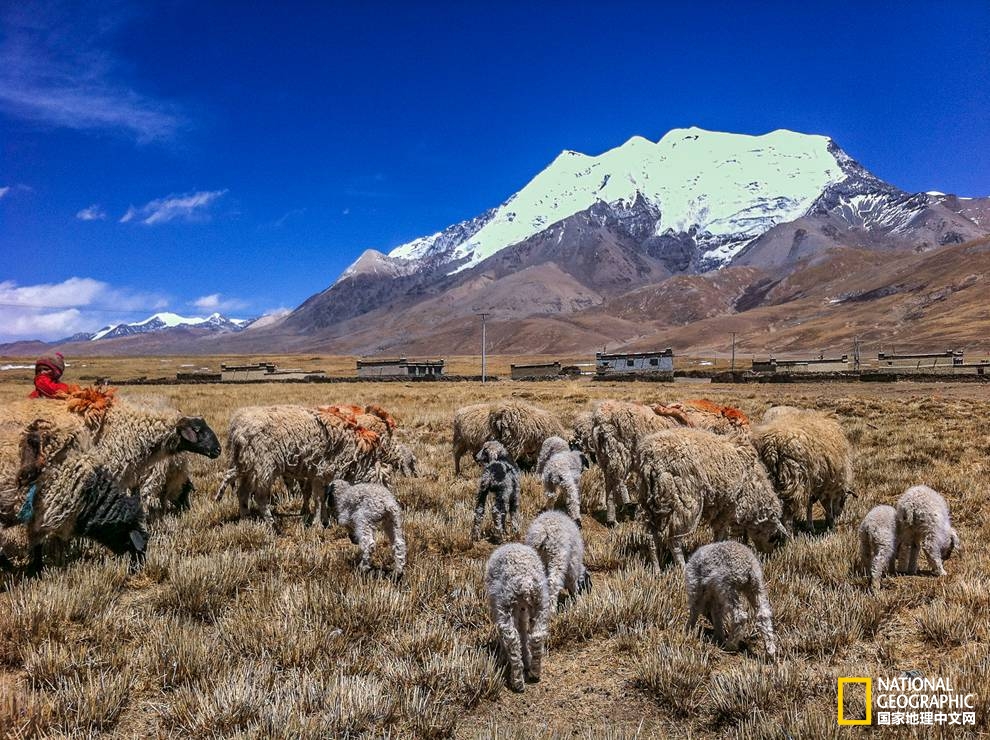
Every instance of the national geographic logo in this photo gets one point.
(906, 700)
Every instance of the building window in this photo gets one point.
(654, 361)
(630, 363)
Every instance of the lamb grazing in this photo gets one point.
(923, 523)
(306, 446)
(551, 446)
(90, 488)
(721, 578)
(878, 543)
(400, 457)
(363, 507)
(520, 606)
(557, 540)
(501, 480)
(520, 427)
(688, 476)
(490, 452)
(167, 485)
(617, 425)
(809, 459)
(563, 472)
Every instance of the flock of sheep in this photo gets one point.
(94, 465)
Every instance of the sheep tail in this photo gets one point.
(227, 479)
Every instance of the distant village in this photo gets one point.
(652, 365)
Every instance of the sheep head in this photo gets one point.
(196, 436)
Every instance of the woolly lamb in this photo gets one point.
(878, 543)
(551, 446)
(363, 507)
(617, 425)
(563, 472)
(688, 476)
(775, 412)
(721, 578)
(520, 427)
(809, 459)
(584, 434)
(401, 457)
(500, 479)
(557, 540)
(491, 451)
(520, 607)
(923, 524)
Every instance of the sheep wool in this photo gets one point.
(923, 524)
(617, 427)
(363, 508)
(520, 607)
(558, 542)
(522, 428)
(562, 472)
(878, 543)
(722, 579)
(809, 459)
(551, 446)
(500, 480)
(687, 476)
(167, 485)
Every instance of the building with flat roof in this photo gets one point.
(382, 367)
(615, 363)
(820, 364)
(536, 370)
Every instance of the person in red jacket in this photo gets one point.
(47, 371)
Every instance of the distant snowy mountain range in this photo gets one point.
(161, 321)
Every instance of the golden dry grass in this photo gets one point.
(231, 631)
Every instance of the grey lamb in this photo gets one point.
(558, 542)
(362, 508)
(722, 579)
(923, 524)
(878, 543)
(520, 607)
(501, 480)
(563, 472)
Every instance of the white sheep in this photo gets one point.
(557, 540)
(562, 472)
(519, 426)
(520, 607)
(878, 543)
(167, 484)
(688, 476)
(551, 446)
(923, 524)
(362, 508)
(722, 578)
(500, 479)
(809, 459)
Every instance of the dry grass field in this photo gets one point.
(231, 631)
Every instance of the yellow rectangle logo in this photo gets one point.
(868, 683)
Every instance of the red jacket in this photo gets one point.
(45, 387)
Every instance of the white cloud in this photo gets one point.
(56, 310)
(92, 213)
(185, 207)
(4, 191)
(55, 68)
(216, 302)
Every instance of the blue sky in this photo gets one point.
(196, 156)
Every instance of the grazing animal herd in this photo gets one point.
(94, 465)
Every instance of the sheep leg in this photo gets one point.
(521, 613)
(866, 555)
(934, 554)
(243, 497)
(263, 499)
(880, 563)
(512, 645)
(365, 540)
(479, 514)
(393, 530)
(458, 454)
(572, 578)
(37, 563)
(537, 635)
(809, 519)
(514, 509)
(613, 482)
(498, 517)
(912, 564)
(764, 620)
(573, 500)
(676, 547)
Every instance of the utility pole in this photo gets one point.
(484, 343)
(856, 354)
(733, 366)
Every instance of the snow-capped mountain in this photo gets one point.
(166, 320)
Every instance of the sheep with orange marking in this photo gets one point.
(307, 446)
